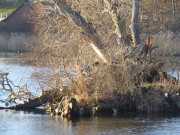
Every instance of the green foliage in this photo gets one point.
(9, 7)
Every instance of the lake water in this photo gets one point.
(37, 122)
(34, 123)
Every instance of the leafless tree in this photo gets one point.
(134, 23)
(155, 6)
(173, 9)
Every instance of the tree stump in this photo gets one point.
(68, 107)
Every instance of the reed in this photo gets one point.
(14, 41)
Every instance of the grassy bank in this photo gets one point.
(9, 7)
(14, 42)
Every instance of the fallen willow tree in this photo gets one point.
(69, 103)
(92, 67)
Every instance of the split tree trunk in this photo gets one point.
(134, 23)
(90, 32)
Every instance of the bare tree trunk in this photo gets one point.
(89, 31)
(134, 23)
(115, 20)
(155, 6)
(173, 9)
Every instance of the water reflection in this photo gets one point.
(125, 126)
(31, 123)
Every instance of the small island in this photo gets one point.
(101, 57)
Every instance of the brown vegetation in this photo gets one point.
(82, 47)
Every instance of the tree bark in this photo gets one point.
(155, 6)
(134, 23)
(114, 17)
(173, 9)
(89, 31)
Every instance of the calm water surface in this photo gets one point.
(37, 123)
(30, 123)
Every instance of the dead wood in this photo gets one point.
(48, 96)
(21, 93)
(29, 101)
(89, 32)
